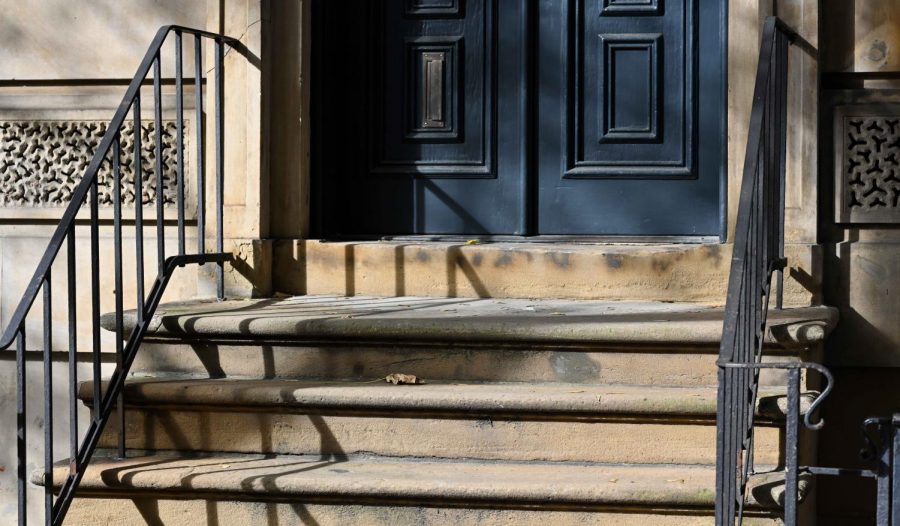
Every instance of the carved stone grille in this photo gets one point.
(867, 162)
(42, 162)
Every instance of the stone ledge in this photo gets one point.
(461, 399)
(490, 321)
(364, 478)
(177, 512)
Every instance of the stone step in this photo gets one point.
(522, 422)
(652, 270)
(458, 339)
(188, 512)
(547, 400)
(389, 482)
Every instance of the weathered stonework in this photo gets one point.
(42, 162)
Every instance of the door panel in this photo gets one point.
(519, 117)
(444, 133)
(624, 146)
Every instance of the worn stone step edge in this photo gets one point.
(520, 399)
(368, 478)
(458, 320)
(174, 511)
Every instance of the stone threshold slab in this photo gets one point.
(611, 271)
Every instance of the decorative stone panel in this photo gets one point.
(867, 163)
(42, 162)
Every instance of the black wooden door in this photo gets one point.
(424, 116)
(630, 127)
(519, 117)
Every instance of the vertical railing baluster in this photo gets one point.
(48, 400)
(792, 424)
(732, 442)
(220, 166)
(201, 159)
(783, 67)
(95, 294)
(117, 241)
(73, 349)
(158, 154)
(137, 168)
(894, 446)
(21, 450)
(179, 141)
(883, 471)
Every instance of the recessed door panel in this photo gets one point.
(443, 134)
(626, 148)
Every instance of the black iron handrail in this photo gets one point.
(109, 151)
(758, 254)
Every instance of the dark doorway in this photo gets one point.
(486, 117)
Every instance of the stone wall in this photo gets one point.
(862, 223)
(861, 239)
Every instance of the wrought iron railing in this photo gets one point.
(881, 447)
(758, 257)
(83, 444)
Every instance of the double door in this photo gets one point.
(519, 117)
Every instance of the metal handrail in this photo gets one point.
(109, 149)
(90, 175)
(758, 254)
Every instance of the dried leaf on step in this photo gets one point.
(403, 379)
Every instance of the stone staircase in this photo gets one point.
(534, 411)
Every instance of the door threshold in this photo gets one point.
(548, 239)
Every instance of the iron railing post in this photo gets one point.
(137, 168)
(21, 422)
(883, 473)
(73, 350)
(792, 427)
(895, 470)
(117, 260)
(179, 142)
(95, 291)
(48, 401)
(220, 165)
(201, 158)
(158, 154)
